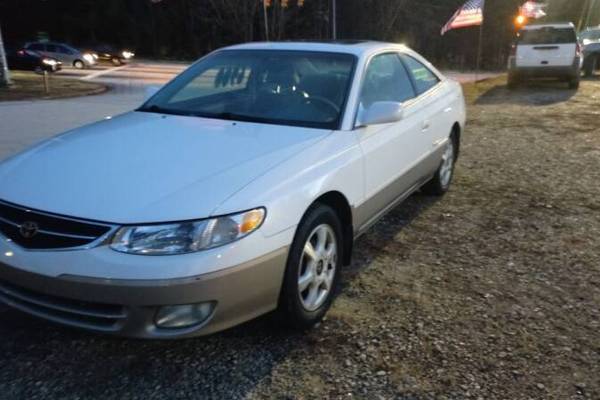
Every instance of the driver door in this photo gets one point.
(391, 151)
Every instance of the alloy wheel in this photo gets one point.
(447, 164)
(317, 267)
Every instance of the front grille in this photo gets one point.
(51, 231)
(96, 316)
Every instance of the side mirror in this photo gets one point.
(381, 112)
(150, 91)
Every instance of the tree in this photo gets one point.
(4, 76)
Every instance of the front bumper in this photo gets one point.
(128, 307)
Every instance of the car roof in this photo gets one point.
(549, 25)
(356, 47)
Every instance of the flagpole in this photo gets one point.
(480, 45)
(479, 50)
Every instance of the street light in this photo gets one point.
(520, 20)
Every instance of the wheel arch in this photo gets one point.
(339, 203)
(456, 133)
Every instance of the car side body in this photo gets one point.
(146, 168)
(590, 42)
(29, 60)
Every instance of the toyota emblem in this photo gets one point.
(28, 229)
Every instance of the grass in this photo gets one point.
(30, 86)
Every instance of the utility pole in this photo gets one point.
(334, 20)
(4, 75)
(266, 3)
(590, 12)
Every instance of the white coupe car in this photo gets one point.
(237, 189)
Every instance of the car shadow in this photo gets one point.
(376, 240)
(533, 93)
(44, 360)
(40, 358)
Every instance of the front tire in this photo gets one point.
(79, 64)
(312, 270)
(440, 183)
(115, 61)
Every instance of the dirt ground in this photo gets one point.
(491, 292)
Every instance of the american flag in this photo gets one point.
(471, 14)
(532, 9)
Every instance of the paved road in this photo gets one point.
(27, 122)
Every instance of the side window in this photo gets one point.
(52, 48)
(217, 80)
(423, 78)
(64, 50)
(386, 79)
(36, 47)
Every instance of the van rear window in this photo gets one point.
(547, 35)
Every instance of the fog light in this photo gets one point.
(183, 316)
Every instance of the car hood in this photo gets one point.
(144, 167)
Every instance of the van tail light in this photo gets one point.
(578, 50)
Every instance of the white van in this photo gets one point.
(546, 51)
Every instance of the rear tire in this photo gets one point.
(512, 82)
(591, 65)
(441, 181)
(574, 83)
(312, 270)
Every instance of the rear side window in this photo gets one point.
(52, 48)
(591, 36)
(547, 35)
(386, 80)
(36, 47)
(64, 50)
(423, 78)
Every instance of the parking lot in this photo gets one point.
(492, 292)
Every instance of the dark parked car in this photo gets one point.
(30, 60)
(590, 40)
(107, 53)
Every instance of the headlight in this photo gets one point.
(127, 54)
(49, 61)
(88, 57)
(187, 237)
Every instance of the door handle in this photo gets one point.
(426, 126)
(447, 110)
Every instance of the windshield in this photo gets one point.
(590, 36)
(295, 88)
(547, 35)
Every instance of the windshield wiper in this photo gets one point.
(231, 116)
(161, 110)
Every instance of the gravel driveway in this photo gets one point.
(492, 292)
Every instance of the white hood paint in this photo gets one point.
(143, 167)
